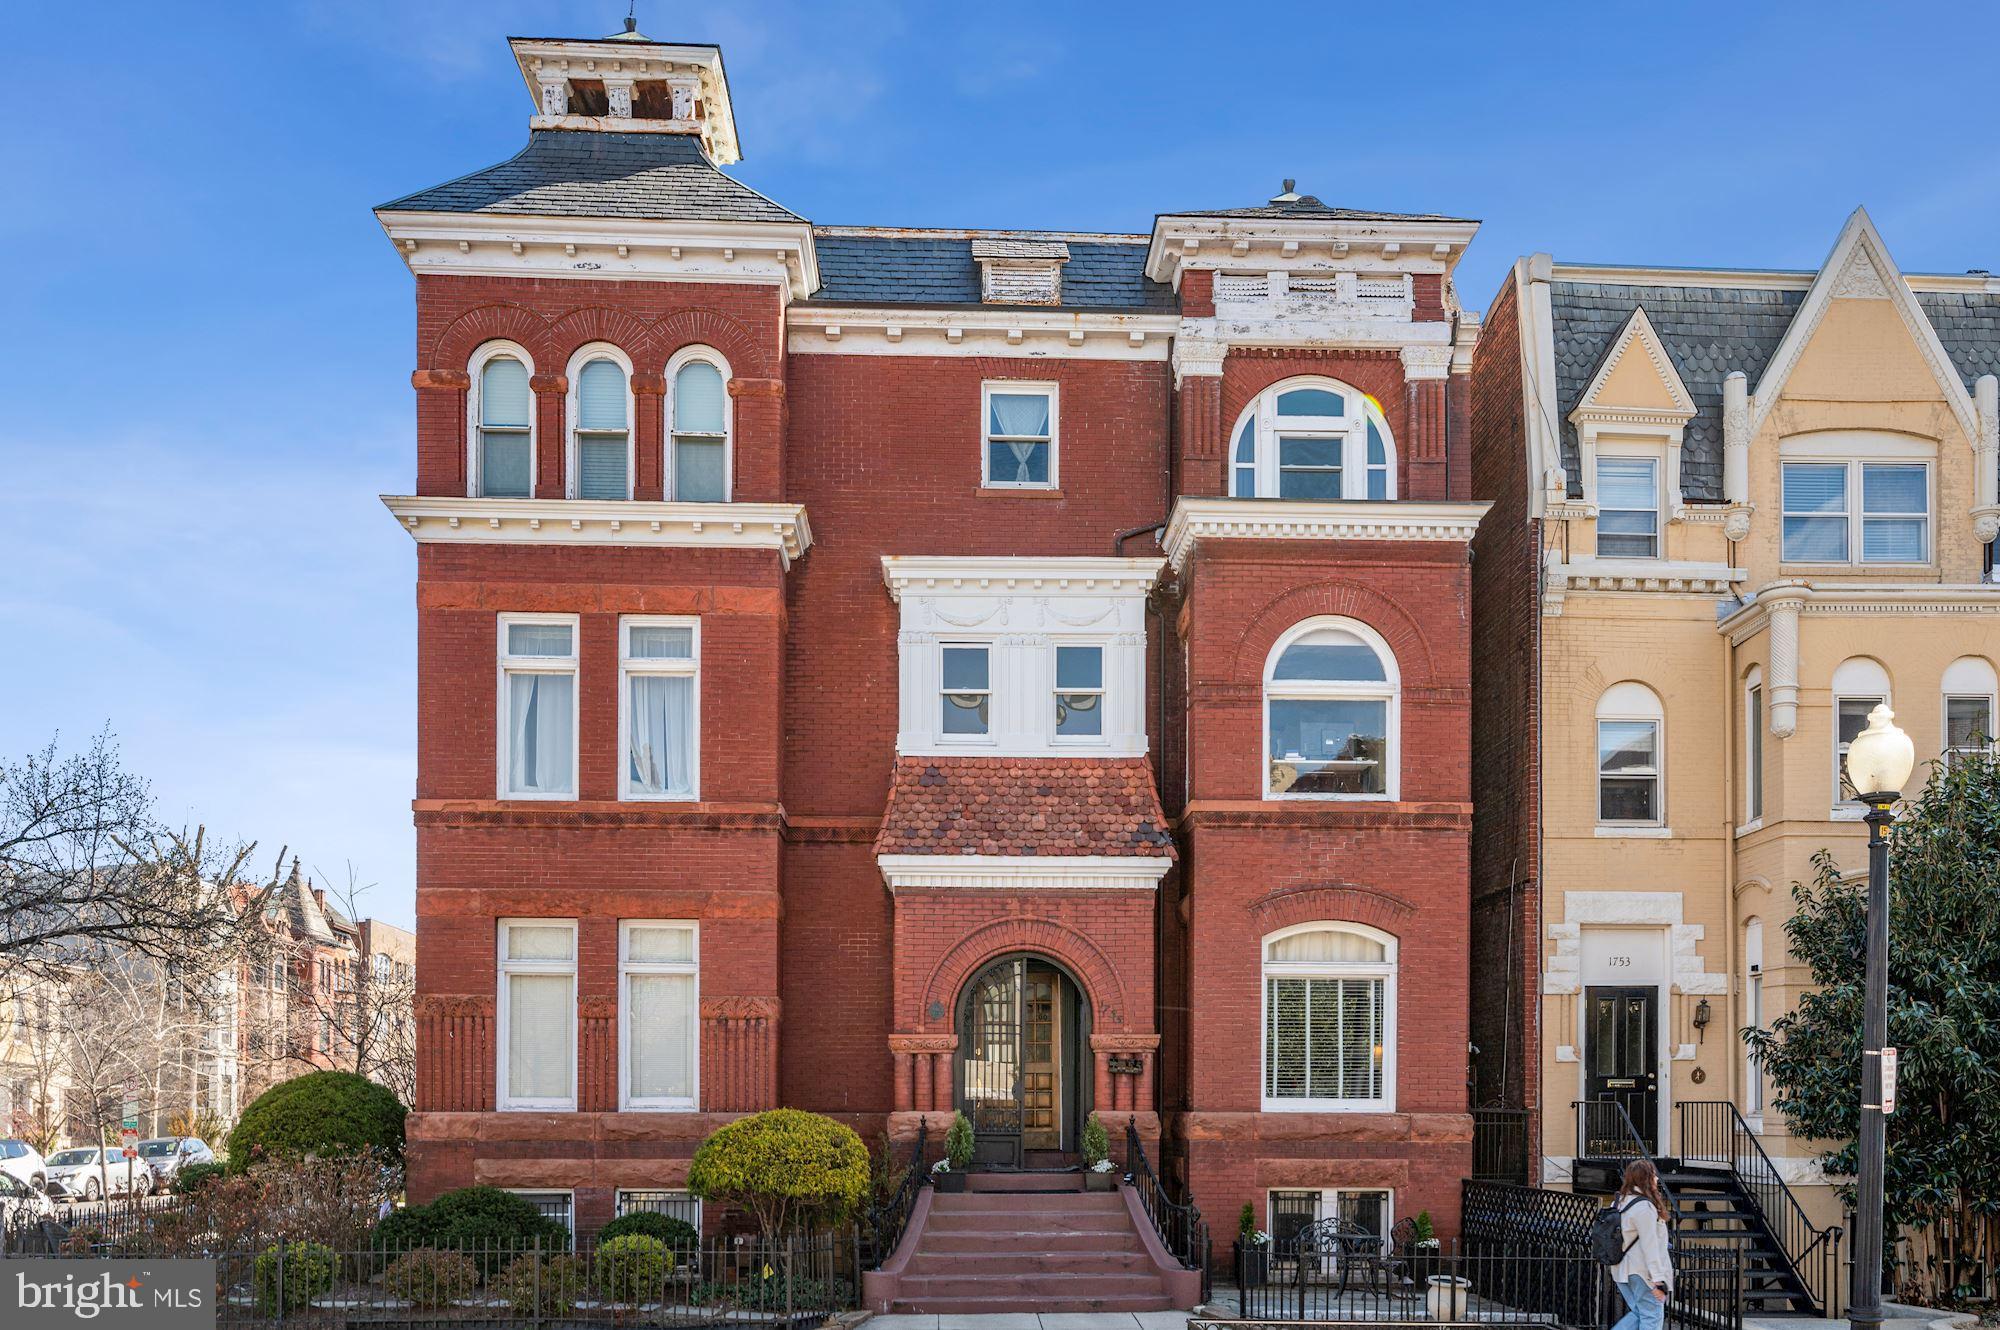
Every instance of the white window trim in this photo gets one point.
(1631, 452)
(1024, 388)
(1657, 718)
(475, 368)
(1309, 690)
(1102, 739)
(1329, 1204)
(1944, 720)
(1384, 969)
(680, 360)
(1753, 747)
(572, 450)
(627, 667)
(1854, 514)
(1351, 428)
(506, 665)
(508, 968)
(987, 739)
(626, 969)
(570, 1192)
(1753, 1018)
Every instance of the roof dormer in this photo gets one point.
(629, 83)
(1020, 272)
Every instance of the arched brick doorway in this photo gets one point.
(1022, 1070)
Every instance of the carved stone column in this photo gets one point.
(739, 1054)
(1736, 454)
(1986, 460)
(454, 1053)
(1782, 601)
(1423, 441)
(923, 1071)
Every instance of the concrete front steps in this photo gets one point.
(1030, 1248)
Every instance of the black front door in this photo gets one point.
(1013, 1039)
(1621, 1044)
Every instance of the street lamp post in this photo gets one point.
(1878, 764)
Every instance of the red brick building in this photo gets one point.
(884, 671)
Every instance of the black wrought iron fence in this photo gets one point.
(1327, 1274)
(882, 1231)
(1500, 1145)
(39, 1225)
(1713, 1133)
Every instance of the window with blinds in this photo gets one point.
(699, 466)
(537, 1014)
(1328, 998)
(603, 438)
(505, 454)
(659, 1009)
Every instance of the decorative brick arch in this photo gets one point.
(1077, 953)
(1333, 903)
(594, 323)
(505, 322)
(747, 356)
(1415, 662)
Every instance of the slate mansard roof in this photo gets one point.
(860, 267)
(1710, 331)
(582, 173)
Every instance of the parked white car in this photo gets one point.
(90, 1173)
(21, 1204)
(23, 1162)
(166, 1154)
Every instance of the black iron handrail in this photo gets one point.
(888, 1221)
(1179, 1223)
(1712, 1131)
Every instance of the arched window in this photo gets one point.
(698, 447)
(1330, 1018)
(1330, 713)
(1312, 438)
(600, 411)
(1630, 772)
(1859, 686)
(502, 465)
(1969, 696)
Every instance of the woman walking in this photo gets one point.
(1645, 1274)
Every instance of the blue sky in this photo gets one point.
(206, 354)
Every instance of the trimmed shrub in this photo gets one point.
(788, 1168)
(544, 1286)
(632, 1268)
(485, 1223)
(431, 1278)
(320, 1113)
(191, 1178)
(676, 1233)
(307, 1273)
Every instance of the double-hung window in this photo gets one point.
(537, 1014)
(700, 462)
(659, 1014)
(659, 662)
(603, 435)
(1629, 718)
(505, 453)
(1329, 1018)
(1020, 435)
(538, 706)
(1628, 507)
(1851, 717)
(1970, 689)
(1823, 523)
(1079, 700)
(966, 692)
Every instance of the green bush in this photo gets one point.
(676, 1233)
(307, 1273)
(320, 1113)
(543, 1285)
(191, 1178)
(958, 1142)
(632, 1268)
(786, 1167)
(1096, 1142)
(430, 1278)
(490, 1225)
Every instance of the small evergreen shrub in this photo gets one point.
(1096, 1142)
(675, 1233)
(430, 1278)
(320, 1113)
(633, 1268)
(487, 1224)
(307, 1272)
(788, 1168)
(545, 1286)
(958, 1143)
(191, 1178)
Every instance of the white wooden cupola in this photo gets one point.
(629, 83)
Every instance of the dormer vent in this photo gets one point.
(1020, 272)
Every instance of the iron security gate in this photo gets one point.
(1010, 1060)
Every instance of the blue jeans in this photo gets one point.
(1646, 1310)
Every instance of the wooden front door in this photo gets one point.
(1041, 1057)
(1012, 1049)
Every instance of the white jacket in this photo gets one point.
(1646, 1252)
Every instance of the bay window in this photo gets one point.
(659, 1014)
(1329, 1018)
(538, 665)
(659, 715)
(537, 1014)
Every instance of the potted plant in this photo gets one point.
(1099, 1173)
(948, 1173)
(1425, 1249)
(1253, 1250)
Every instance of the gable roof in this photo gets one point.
(865, 267)
(1637, 332)
(581, 173)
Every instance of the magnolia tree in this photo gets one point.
(1943, 1179)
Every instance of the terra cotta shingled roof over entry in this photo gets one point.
(1047, 806)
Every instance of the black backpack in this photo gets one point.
(1607, 1234)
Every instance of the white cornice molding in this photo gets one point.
(780, 527)
(1322, 333)
(1095, 872)
(605, 248)
(1201, 518)
(1257, 244)
(1020, 330)
(1862, 598)
(1672, 577)
(1018, 575)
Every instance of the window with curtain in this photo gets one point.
(1753, 747)
(506, 430)
(1079, 712)
(602, 431)
(660, 1008)
(538, 694)
(659, 662)
(1329, 1019)
(1629, 721)
(1329, 713)
(1824, 524)
(965, 685)
(1628, 507)
(538, 1013)
(1020, 435)
(700, 463)
(1313, 439)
